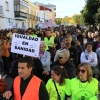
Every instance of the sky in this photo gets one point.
(65, 7)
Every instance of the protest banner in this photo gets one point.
(26, 45)
(47, 24)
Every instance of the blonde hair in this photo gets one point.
(89, 70)
(64, 53)
(43, 43)
(96, 32)
(89, 33)
(57, 33)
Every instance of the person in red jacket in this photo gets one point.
(3, 85)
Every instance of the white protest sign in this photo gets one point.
(26, 45)
(50, 23)
(10, 25)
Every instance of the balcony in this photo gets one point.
(30, 16)
(55, 14)
(36, 18)
(20, 14)
(33, 17)
(1, 10)
(20, 11)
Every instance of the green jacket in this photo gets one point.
(33, 35)
(49, 43)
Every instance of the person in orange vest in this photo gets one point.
(27, 86)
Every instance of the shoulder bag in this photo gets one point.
(57, 91)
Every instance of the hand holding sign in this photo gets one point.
(26, 45)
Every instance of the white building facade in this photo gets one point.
(6, 14)
(21, 11)
(24, 14)
(13, 14)
(47, 15)
(53, 9)
(47, 11)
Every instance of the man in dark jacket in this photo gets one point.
(38, 69)
(66, 63)
(26, 85)
(73, 52)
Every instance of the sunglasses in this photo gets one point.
(60, 57)
(82, 71)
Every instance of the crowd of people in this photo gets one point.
(68, 66)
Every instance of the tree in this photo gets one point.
(76, 18)
(84, 16)
(97, 16)
(65, 19)
(58, 21)
(82, 20)
(90, 10)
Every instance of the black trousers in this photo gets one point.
(6, 64)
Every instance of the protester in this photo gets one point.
(39, 34)
(63, 46)
(90, 36)
(80, 48)
(27, 86)
(73, 51)
(1, 62)
(10, 34)
(84, 86)
(44, 57)
(59, 84)
(85, 39)
(59, 44)
(98, 56)
(90, 57)
(49, 40)
(38, 68)
(79, 36)
(31, 32)
(63, 60)
(5, 54)
(3, 85)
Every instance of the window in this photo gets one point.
(32, 25)
(16, 8)
(7, 6)
(22, 23)
(37, 13)
(54, 8)
(23, 9)
(1, 9)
